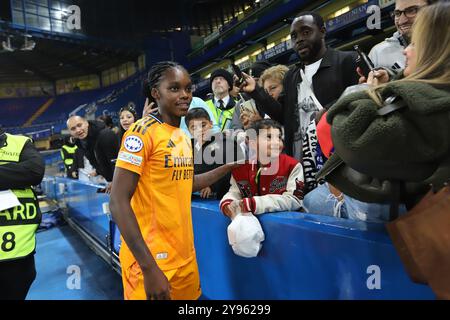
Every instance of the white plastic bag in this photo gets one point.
(245, 235)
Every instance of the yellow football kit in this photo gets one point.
(162, 156)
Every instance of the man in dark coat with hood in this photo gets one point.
(330, 72)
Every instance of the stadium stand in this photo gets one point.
(15, 111)
(52, 121)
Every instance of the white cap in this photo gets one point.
(245, 235)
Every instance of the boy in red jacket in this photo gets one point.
(270, 181)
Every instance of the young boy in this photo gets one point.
(270, 181)
(210, 150)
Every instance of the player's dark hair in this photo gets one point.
(156, 75)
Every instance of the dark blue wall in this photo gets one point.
(159, 47)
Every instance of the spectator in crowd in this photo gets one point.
(389, 53)
(396, 157)
(195, 104)
(21, 167)
(328, 200)
(72, 157)
(310, 86)
(127, 116)
(272, 82)
(151, 194)
(270, 181)
(210, 151)
(331, 72)
(108, 122)
(99, 144)
(222, 105)
(234, 93)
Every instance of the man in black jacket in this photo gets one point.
(332, 71)
(100, 144)
(21, 167)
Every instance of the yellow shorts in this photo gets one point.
(184, 282)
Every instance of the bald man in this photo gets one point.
(99, 143)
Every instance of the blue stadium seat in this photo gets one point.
(15, 111)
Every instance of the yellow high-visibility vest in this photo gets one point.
(223, 118)
(71, 151)
(18, 225)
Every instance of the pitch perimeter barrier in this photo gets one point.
(304, 256)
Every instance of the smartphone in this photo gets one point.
(249, 106)
(238, 73)
(364, 62)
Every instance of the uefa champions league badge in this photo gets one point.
(133, 144)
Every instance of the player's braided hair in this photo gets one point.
(156, 75)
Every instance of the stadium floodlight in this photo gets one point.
(7, 45)
(28, 44)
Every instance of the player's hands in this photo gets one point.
(148, 108)
(156, 285)
(206, 193)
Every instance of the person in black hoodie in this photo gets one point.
(99, 143)
(211, 151)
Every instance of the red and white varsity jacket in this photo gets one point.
(266, 191)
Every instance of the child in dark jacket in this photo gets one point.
(270, 181)
(211, 150)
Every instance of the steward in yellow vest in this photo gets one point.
(222, 105)
(72, 158)
(21, 167)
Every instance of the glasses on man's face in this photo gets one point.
(409, 12)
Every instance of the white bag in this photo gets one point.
(245, 235)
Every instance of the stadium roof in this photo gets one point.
(113, 31)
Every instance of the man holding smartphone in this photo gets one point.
(328, 73)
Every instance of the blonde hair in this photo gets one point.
(275, 73)
(431, 39)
